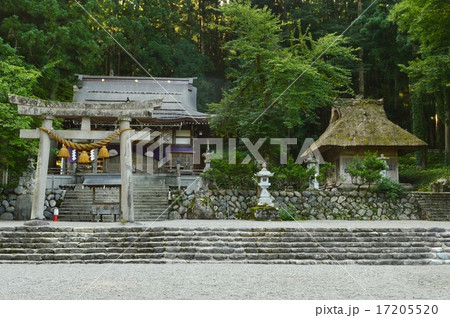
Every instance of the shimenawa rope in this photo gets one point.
(84, 147)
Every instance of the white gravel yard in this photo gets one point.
(222, 281)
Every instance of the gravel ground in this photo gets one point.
(226, 281)
(222, 281)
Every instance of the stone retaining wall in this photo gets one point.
(311, 205)
(233, 204)
(15, 204)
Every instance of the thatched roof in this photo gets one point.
(363, 123)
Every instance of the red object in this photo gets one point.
(55, 215)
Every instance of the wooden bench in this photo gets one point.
(105, 209)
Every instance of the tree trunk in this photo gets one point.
(447, 136)
(361, 62)
(419, 126)
(201, 16)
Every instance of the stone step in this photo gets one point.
(149, 202)
(350, 253)
(159, 258)
(152, 217)
(246, 245)
(299, 247)
(235, 241)
(234, 260)
(150, 206)
(434, 205)
(280, 232)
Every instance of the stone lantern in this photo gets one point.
(208, 154)
(264, 197)
(202, 184)
(312, 162)
(385, 160)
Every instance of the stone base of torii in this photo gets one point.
(48, 111)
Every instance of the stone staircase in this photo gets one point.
(435, 206)
(150, 201)
(151, 198)
(124, 244)
(77, 204)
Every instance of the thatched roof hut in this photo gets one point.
(363, 123)
(358, 126)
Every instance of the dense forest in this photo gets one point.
(245, 55)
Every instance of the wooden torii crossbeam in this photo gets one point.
(111, 112)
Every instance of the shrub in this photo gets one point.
(328, 178)
(367, 170)
(390, 187)
(291, 175)
(289, 213)
(224, 175)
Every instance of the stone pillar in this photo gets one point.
(37, 207)
(126, 172)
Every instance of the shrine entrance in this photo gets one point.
(83, 140)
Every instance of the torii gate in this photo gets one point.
(49, 110)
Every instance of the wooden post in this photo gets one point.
(126, 172)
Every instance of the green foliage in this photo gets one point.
(290, 213)
(326, 172)
(261, 51)
(291, 175)
(16, 77)
(426, 23)
(367, 170)
(60, 39)
(224, 175)
(260, 70)
(422, 178)
(390, 187)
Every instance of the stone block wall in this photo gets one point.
(15, 204)
(311, 205)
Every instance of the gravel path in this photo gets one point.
(222, 281)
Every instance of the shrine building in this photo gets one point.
(115, 128)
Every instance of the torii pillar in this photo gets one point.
(84, 111)
(126, 171)
(37, 207)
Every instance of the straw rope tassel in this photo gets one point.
(84, 147)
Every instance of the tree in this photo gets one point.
(366, 171)
(55, 38)
(260, 70)
(60, 39)
(427, 22)
(16, 77)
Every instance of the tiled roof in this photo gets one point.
(178, 94)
